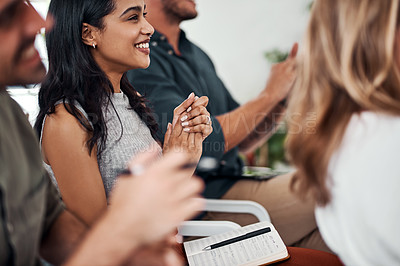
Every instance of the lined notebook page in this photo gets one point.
(253, 251)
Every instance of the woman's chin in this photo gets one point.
(141, 66)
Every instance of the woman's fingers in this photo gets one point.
(294, 50)
(203, 129)
(202, 101)
(186, 107)
(182, 108)
(177, 139)
(198, 120)
(167, 135)
(199, 110)
(191, 113)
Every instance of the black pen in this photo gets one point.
(238, 238)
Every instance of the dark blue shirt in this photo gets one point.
(169, 80)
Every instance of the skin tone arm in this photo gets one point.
(64, 236)
(163, 253)
(129, 224)
(67, 232)
(240, 123)
(78, 176)
(264, 130)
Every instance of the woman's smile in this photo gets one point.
(144, 47)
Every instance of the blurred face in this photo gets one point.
(19, 60)
(180, 9)
(123, 44)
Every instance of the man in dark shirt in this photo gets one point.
(178, 67)
(32, 217)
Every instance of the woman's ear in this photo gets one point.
(89, 34)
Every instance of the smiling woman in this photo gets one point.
(120, 43)
(91, 120)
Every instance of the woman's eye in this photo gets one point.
(145, 14)
(135, 17)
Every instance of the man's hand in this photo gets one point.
(282, 77)
(163, 253)
(154, 202)
(145, 208)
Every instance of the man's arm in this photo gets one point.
(238, 124)
(264, 130)
(245, 123)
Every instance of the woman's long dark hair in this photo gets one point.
(75, 77)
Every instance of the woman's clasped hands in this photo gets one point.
(191, 124)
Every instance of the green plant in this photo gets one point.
(276, 55)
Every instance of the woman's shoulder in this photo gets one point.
(370, 148)
(375, 119)
(368, 156)
(372, 126)
(62, 122)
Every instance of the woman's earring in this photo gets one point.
(94, 46)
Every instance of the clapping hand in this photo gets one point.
(190, 126)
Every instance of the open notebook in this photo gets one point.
(263, 249)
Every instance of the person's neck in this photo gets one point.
(115, 80)
(113, 72)
(170, 29)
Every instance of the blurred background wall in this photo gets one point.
(236, 34)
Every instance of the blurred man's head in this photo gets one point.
(20, 62)
(179, 9)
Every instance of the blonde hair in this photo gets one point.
(347, 65)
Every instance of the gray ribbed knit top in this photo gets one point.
(119, 149)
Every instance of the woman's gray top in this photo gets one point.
(119, 149)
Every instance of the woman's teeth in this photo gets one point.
(142, 45)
